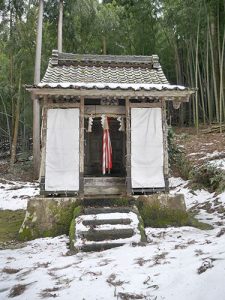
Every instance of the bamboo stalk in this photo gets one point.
(16, 125)
(207, 79)
(196, 79)
(213, 73)
(7, 121)
(221, 98)
(202, 95)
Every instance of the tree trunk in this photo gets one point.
(16, 126)
(60, 25)
(104, 45)
(36, 105)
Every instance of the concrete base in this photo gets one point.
(47, 217)
(175, 202)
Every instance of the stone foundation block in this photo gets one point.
(47, 217)
(175, 202)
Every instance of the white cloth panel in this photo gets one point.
(146, 148)
(62, 150)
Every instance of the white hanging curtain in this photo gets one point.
(146, 148)
(62, 150)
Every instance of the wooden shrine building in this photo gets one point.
(83, 97)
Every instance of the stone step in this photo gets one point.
(118, 189)
(106, 210)
(100, 228)
(109, 234)
(99, 246)
(95, 222)
(103, 181)
(104, 185)
(108, 201)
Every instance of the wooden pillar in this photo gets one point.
(43, 145)
(60, 25)
(128, 147)
(165, 146)
(81, 187)
(36, 104)
(36, 137)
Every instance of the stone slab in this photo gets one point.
(47, 216)
(175, 201)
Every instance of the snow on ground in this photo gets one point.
(211, 155)
(177, 264)
(14, 194)
(209, 207)
(218, 163)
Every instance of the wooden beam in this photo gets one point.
(62, 105)
(128, 148)
(165, 146)
(81, 148)
(146, 105)
(103, 109)
(95, 93)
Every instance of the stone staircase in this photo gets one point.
(104, 227)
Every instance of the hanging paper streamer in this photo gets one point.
(122, 125)
(90, 123)
(106, 147)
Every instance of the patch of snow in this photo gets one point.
(218, 163)
(211, 155)
(200, 200)
(14, 194)
(102, 85)
(196, 153)
(176, 181)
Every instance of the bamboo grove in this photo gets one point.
(188, 36)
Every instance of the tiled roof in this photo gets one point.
(75, 68)
(86, 71)
(87, 74)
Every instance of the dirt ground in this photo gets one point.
(22, 171)
(200, 147)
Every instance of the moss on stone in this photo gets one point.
(72, 234)
(47, 217)
(157, 216)
(26, 234)
(63, 217)
(141, 228)
(77, 211)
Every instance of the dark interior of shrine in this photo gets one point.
(93, 149)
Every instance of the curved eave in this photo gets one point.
(183, 95)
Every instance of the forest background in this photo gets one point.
(188, 36)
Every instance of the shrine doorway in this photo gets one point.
(93, 148)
